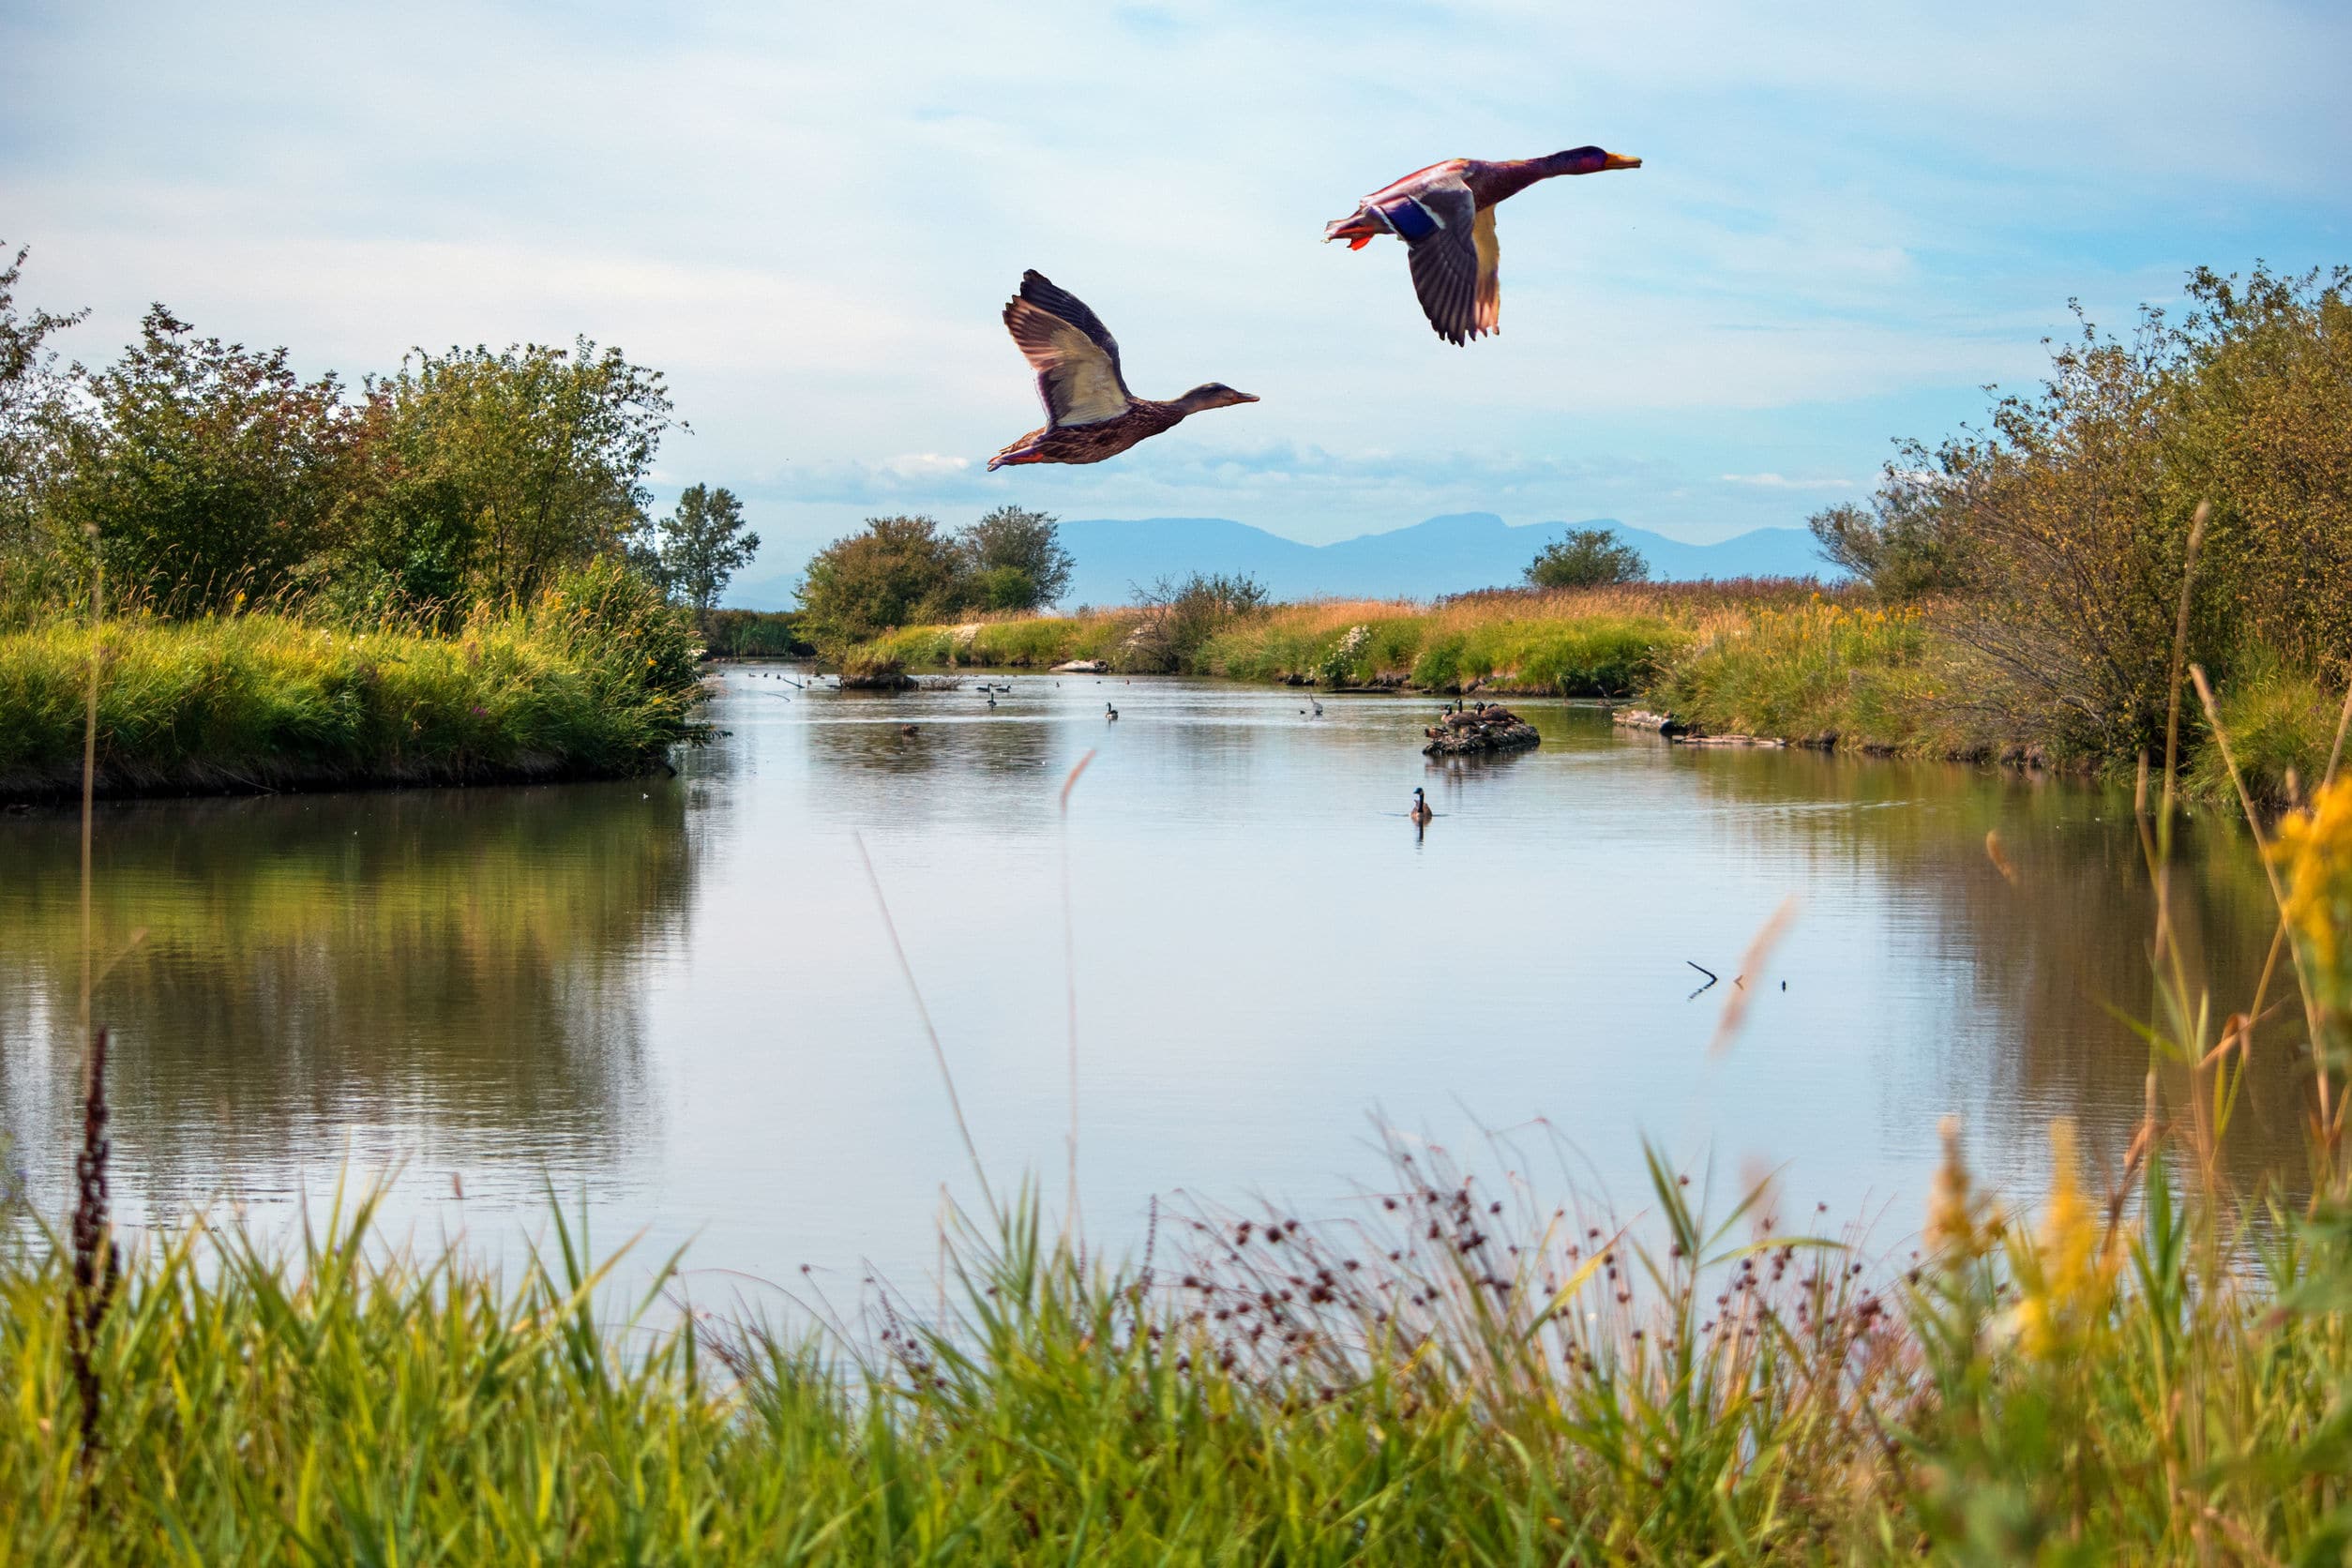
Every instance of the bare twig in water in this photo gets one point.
(1069, 972)
(2331, 1113)
(939, 1054)
(1735, 1007)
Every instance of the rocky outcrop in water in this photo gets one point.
(1484, 727)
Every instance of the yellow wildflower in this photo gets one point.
(1958, 1222)
(2314, 850)
(2065, 1277)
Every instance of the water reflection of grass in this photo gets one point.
(2052, 987)
(465, 956)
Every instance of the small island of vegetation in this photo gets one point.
(449, 574)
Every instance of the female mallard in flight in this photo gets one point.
(1445, 215)
(1089, 413)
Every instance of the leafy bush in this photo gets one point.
(754, 634)
(2060, 534)
(1182, 614)
(905, 570)
(486, 474)
(1016, 560)
(1587, 558)
(901, 571)
(204, 471)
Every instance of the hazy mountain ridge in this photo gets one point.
(1443, 555)
(1446, 554)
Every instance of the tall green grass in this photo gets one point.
(1455, 1378)
(1825, 673)
(594, 679)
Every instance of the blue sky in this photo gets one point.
(1852, 215)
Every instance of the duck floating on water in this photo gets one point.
(1089, 413)
(1445, 215)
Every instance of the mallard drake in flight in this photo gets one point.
(1089, 413)
(1445, 215)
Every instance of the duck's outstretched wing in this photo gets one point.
(1076, 357)
(1490, 271)
(1438, 225)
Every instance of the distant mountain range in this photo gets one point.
(1443, 555)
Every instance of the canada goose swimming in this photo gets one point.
(1113, 712)
(1421, 812)
(1319, 707)
(992, 701)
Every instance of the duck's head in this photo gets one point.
(1592, 160)
(1212, 394)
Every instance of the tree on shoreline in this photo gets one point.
(492, 470)
(1015, 559)
(1587, 558)
(904, 570)
(205, 471)
(703, 546)
(30, 389)
(899, 571)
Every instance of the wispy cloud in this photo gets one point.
(1782, 482)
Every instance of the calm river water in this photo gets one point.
(676, 999)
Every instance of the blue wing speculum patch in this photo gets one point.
(1410, 221)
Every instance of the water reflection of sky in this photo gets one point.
(676, 997)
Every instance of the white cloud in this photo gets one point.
(1781, 481)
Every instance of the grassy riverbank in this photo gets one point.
(595, 679)
(1899, 682)
(1589, 641)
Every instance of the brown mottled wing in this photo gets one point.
(1490, 271)
(1076, 358)
(1445, 264)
